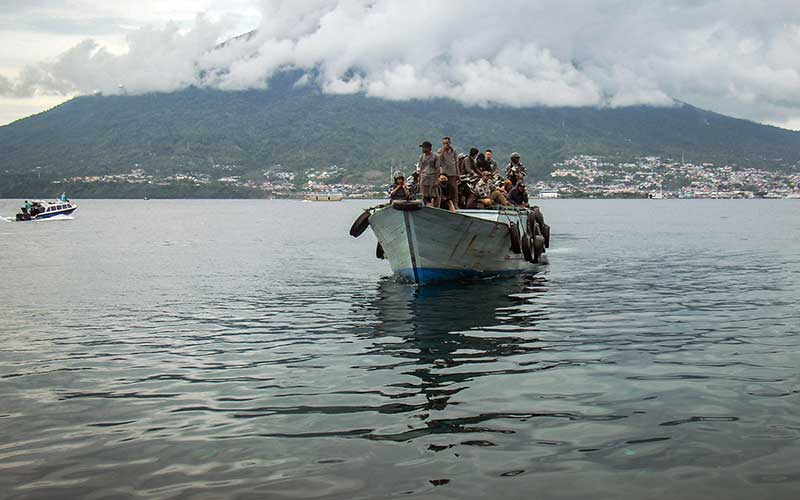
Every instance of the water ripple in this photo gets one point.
(278, 367)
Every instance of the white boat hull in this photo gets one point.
(432, 245)
(323, 197)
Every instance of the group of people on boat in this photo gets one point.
(448, 180)
(34, 208)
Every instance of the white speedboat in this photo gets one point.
(427, 245)
(333, 196)
(41, 209)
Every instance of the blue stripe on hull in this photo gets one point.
(53, 214)
(427, 275)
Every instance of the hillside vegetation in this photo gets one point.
(301, 128)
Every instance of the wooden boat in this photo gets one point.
(428, 245)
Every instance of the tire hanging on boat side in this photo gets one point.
(360, 224)
(546, 234)
(513, 233)
(527, 251)
(408, 206)
(379, 253)
(537, 242)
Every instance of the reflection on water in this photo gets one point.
(447, 336)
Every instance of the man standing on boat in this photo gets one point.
(515, 170)
(429, 172)
(448, 159)
(492, 162)
(469, 167)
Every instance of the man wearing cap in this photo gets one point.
(429, 175)
(518, 196)
(515, 170)
(448, 161)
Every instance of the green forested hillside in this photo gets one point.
(299, 128)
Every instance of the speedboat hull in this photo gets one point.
(430, 245)
(44, 210)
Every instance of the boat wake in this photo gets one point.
(55, 217)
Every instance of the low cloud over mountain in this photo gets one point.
(735, 57)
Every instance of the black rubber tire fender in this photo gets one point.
(407, 206)
(379, 253)
(513, 234)
(527, 251)
(546, 234)
(360, 224)
(538, 247)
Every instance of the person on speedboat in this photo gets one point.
(399, 190)
(63, 197)
(26, 209)
(515, 170)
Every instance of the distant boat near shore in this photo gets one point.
(333, 196)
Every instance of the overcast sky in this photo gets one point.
(731, 56)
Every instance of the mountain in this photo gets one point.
(299, 127)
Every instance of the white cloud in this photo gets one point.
(732, 56)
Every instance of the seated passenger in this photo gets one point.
(486, 194)
(519, 196)
(399, 190)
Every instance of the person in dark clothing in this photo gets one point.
(515, 170)
(399, 190)
(446, 194)
(448, 161)
(413, 188)
(481, 165)
(518, 196)
(492, 163)
(469, 167)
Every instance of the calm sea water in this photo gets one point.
(252, 349)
